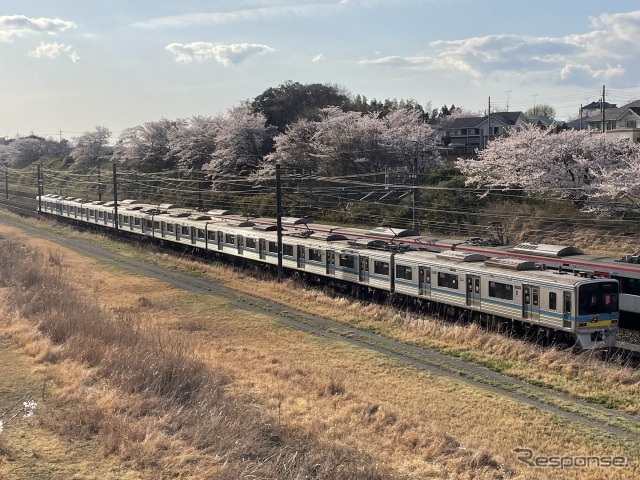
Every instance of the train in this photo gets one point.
(625, 269)
(567, 305)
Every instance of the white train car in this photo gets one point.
(583, 308)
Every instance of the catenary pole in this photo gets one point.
(279, 220)
(115, 199)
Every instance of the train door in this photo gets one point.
(300, 256)
(363, 271)
(531, 302)
(240, 244)
(220, 239)
(424, 281)
(566, 310)
(192, 234)
(331, 262)
(473, 291)
(262, 248)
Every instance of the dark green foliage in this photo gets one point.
(293, 101)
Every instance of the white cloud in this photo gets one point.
(224, 54)
(250, 14)
(53, 51)
(318, 58)
(613, 39)
(12, 26)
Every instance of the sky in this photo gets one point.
(67, 66)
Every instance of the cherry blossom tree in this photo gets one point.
(347, 143)
(617, 171)
(193, 142)
(602, 171)
(22, 152)
(242, 140)
(91, 147)
(146, 147)
(536, 160)
(407, 139)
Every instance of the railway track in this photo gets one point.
(596, 418)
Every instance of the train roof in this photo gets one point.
(456, 256)
(545, 249)
(391, 232)
(499, 267)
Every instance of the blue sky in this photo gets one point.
(69, 65)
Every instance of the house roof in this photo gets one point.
(597, 106)
(507, 118)
(615, 113)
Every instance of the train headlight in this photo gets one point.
(582, 324)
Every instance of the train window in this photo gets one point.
(250, 243)
(109, 216)
(315, 255)
(211, 234)
(170, 227)
(229, 238)
(381, 268)
(553, 301)
(156, 225)
(347, 261)
(448, 280)
(100, 215)
(628, 285)
(501, 290)
(597, 298)
(287, 250)
(402, 271)
(92, 213)
(200, 233)
(184, 230)
(136, 222)
(273, 247)
(535, 297)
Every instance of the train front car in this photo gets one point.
(596, 316)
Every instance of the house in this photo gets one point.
(621, 122)
(476, 132)
(591, 111)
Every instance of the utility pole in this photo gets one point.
(413, 197)
(580, 116)
(604, 129)
(39, 190)
(6, 183)
(488, 123)
(279, 220)
(99, 184)
(115, 199)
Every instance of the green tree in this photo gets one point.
(293, 101)
(542, 110)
